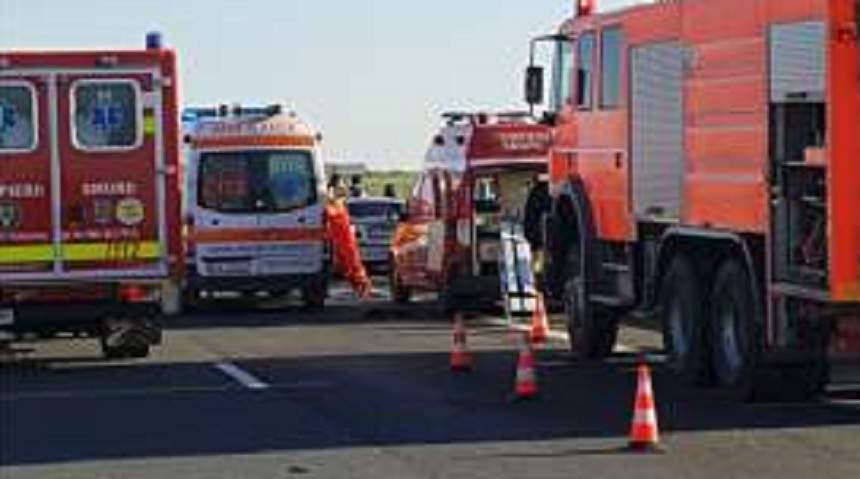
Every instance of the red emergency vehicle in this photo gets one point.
(89, 194)
(706, 167)
(478, 172)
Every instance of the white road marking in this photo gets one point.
(241, 376)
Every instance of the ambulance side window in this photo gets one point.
(18, 122)
(106, 115)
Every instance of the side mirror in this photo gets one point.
(534, 85)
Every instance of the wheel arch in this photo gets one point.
(572, 207)
(708, 249)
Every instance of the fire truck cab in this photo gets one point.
(478, 172)
(89, 195)
(255, 204)
(706, 170)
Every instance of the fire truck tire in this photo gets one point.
(734, 319)
(681, 308)
(736, 346)
(592, 329)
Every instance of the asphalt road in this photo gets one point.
(364, 391)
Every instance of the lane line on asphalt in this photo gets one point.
(241, 376)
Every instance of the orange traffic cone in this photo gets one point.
(644, 433)
(461, 358)
(540, 323)
(526, 385)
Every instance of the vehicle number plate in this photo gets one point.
(7, 317)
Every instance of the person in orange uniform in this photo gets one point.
(347, 255)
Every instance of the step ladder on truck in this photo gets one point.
(89, 195)
(704, 172)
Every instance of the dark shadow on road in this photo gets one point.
(396, 399)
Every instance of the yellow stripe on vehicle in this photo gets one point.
(118, 251)
(36, 253)
(149, 125)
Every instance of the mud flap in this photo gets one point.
(516, 274)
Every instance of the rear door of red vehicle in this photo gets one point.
(26, 230)
(81, 174)
(111, 159)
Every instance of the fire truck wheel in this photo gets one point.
(681, 310)
(592, 329)
(734, 318)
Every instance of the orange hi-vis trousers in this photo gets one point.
(345, 250)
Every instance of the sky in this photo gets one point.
(372, 75)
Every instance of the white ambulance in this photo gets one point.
(255, 204)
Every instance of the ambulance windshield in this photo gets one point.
(257, 181)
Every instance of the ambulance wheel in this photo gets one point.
(681, 310)
(129, 350)
(123, 339)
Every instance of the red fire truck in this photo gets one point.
(706, 167)
(477, 174)
(89, 195)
